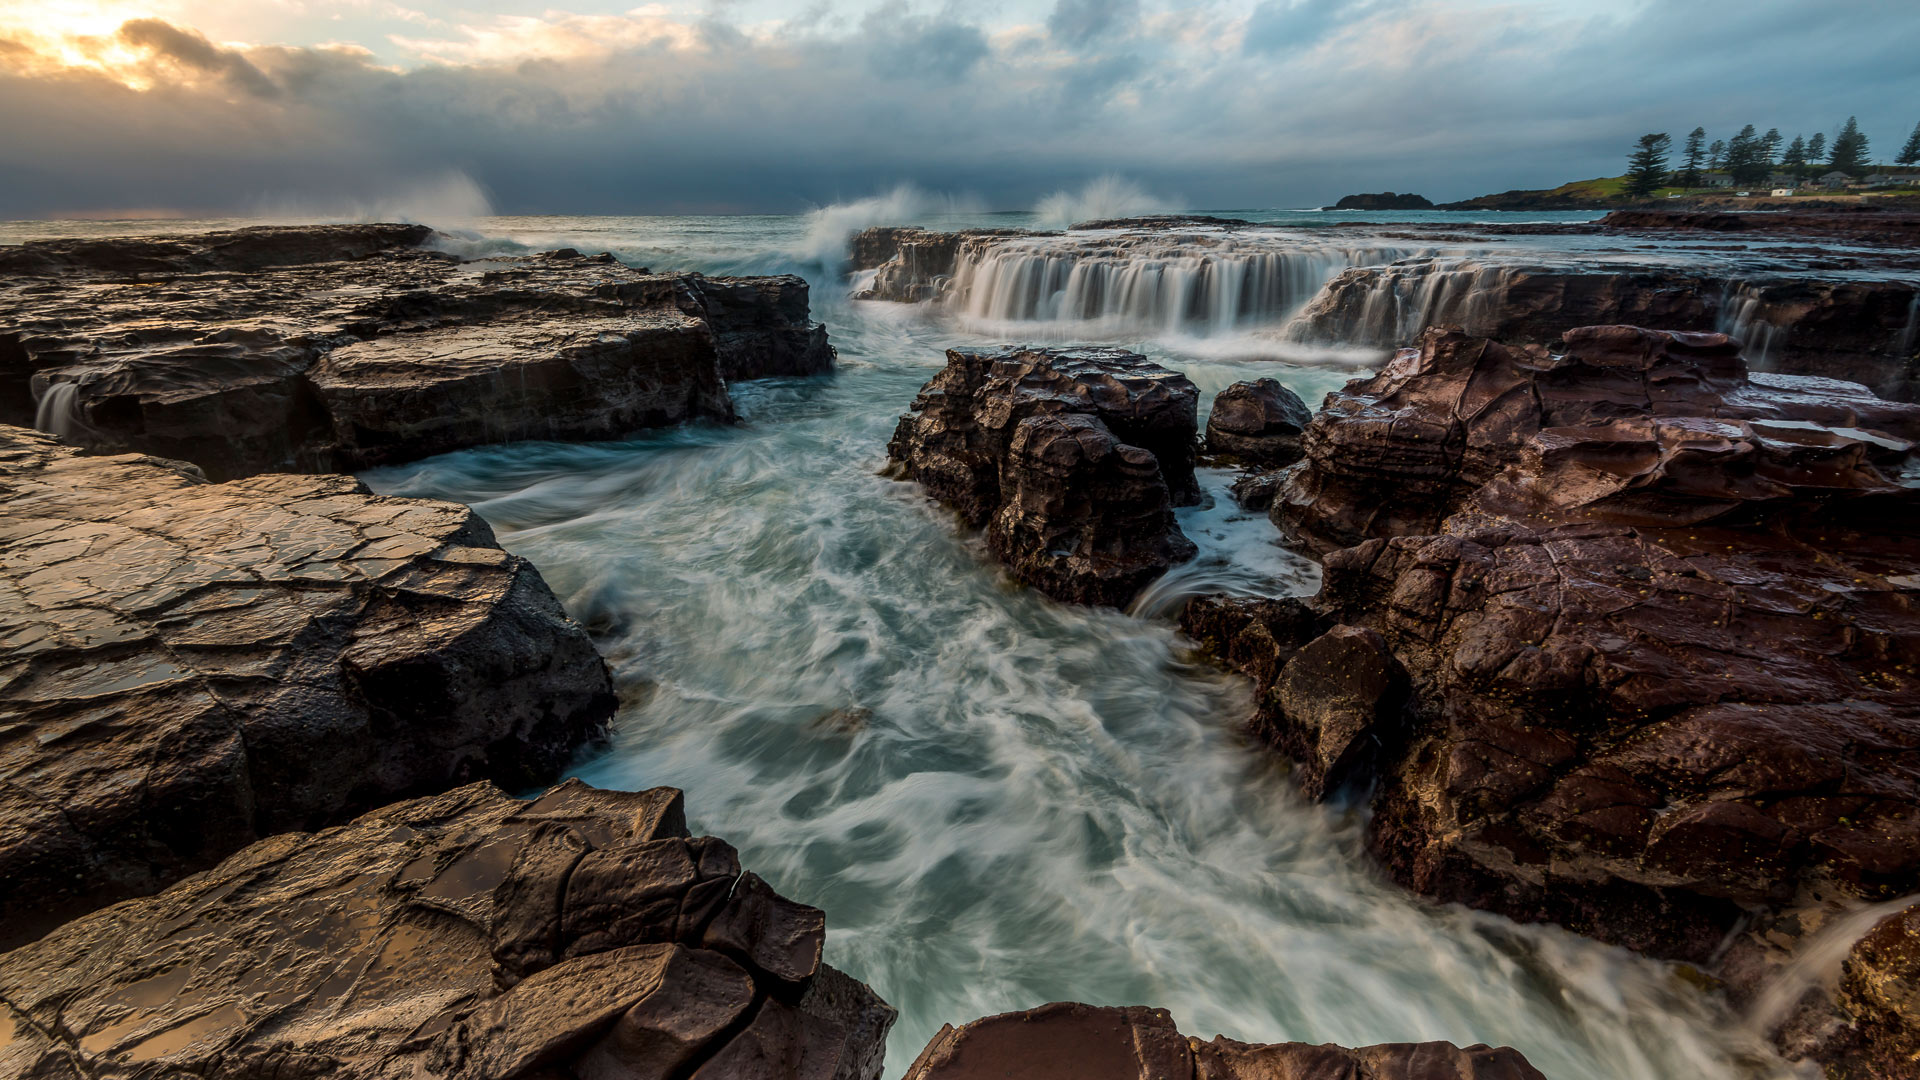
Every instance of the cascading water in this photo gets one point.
(57, 410)
(1386, 306)
(998, 800)
(1743, 310)
(1186, 285)
(1904, 346)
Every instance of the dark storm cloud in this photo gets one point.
(1221, 107)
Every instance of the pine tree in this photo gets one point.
(1850, 149)
(1769, 147)
(1743, 157)
(1647, 166)
(1717, 155)
(1816, 150)
(1795, 159)
(1910, 153)
(1696, 151)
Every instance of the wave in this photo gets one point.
(451, 199)
(1103, 197)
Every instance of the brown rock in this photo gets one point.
(367, 950)
(191, 666)
(1085, 1042)
(1880, 993)
(1258, 423)
(342, 348)
(1336, 708)
(1072, 458)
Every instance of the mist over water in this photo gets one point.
(998, 800)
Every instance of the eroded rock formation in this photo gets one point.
(467, 934)
(1258, 423)
(189, 666)
(1072, 459)
(337, 348)
(1088, 1042)
(1657, 618)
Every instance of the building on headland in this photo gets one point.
(1893, 179)
(1783, 180)
(1781, 192)
(1716, 180)
(1835, 180)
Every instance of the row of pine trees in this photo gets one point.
(1751, 157)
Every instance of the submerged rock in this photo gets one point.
(1257, 423)
(190, 666)
(338, 348)
(1088, 1042)
(1659, 620)
(467, 934)
(1073, 460)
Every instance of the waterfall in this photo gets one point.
(1161, 285)
(1905, 346)
(1742, 318)
(1390, 305)
(58, 410)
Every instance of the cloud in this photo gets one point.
(1218, 104)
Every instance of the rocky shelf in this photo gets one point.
(189, 666)
(338, 348)
(1623, 637)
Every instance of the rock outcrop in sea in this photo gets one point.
(189, 666)
(1088, 1042)
(1627, 633)
(585, 933)
(1072, 459)
(337, 348)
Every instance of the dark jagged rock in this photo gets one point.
(1259, 423)
(913, 264)
(1867, 224)
(341, 348)
(467, 934)
(1861, 331)
(1073, 460)
(1879, 994)
(1385, 200)
(1395, 454)
(1089, 1042)
(1162, 221)
(189, 666)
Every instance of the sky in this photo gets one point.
(193, 107)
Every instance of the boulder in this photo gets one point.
(1258, 423)
(338, 348)
(1089, 1042)
(189, 666)
(464, 934)
(1073, 460)
(1880, 994)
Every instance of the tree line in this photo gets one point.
(1750, 157)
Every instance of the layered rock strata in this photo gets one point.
(1860, 331)
(1103, 1043)
(912, 264)
(338, 348)
(1657, 623)
(1072, 459)
(187, 666)
(585, 933)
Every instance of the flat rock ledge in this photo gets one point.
(340, 348)
(1087, 1042)
(1627, 638)
(187, 666)
(468, 934)
(1072, 459)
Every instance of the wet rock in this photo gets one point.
(373, 950)
(1659, 622)
(1257, 423)
(1639, 415)
(1073, 459)
(188, 666)
(1859, 331)
(1254, 635)
(910, 264)
(1336, 708)
(319, 349)
(1880, 993)
(1136, 1043)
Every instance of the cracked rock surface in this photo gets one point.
(1090, 1042)
(1073, 460)
(584, 933)
(339, 348)
(187, 666)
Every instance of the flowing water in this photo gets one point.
(998, 800)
